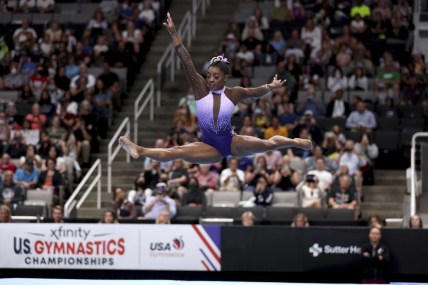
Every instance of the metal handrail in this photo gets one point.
(112, 155)
(195, 6)
(413, 178)
(71, 202)
(138, 110)
(168, 58)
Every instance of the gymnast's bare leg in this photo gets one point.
(198, 152)
(248, 145)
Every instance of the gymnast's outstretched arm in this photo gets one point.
(193, 77)
(239, 93)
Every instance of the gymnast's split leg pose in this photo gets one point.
(214, 105)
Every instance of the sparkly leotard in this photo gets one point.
(214, 110)
(217, 135)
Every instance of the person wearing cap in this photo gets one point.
(124, 209)
(337, 107)
(27, 175)
(158, 203)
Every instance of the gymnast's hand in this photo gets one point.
(276, 83)
(169, 24)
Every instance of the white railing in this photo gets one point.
(72, 201)
(166, 60)
(415, 190)
(187, 28)
(195, 6)
(111, 154)
(138, 110)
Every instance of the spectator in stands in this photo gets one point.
(358, 25)
(232, 178)
(62, 82)
(56, 131)
(311, 34)
(207, 179)
(17, 146)
(248, 219)
(50, 179)
(83, 73)
(14, 80)
(275, 129)
(195, 195)
(251, 29)
(190, 100)
(102, 107)
(311, 193)
(300, 221)
(158, 203)
(358, 81)
(36, 119)
(312, 104)
(361, 120)
(163, 218)
(71, 152)
(367, 149)
(360, 8)
(5, 215)
(344, 61)
(375, 259)
(246, 55)
(325, 178)
(388, 109)
(307, 121)
(133, 36)
(25, 36)
(38, 82)
(4, 133)
(375, 221)
(351, 159)
(280, 16)
(147, 14)
(109, 217)
(10, 193)
(287, 116)
(337, 80)
(58, 214)
(415, 222)
(262, 21)
(112, 83)
(337, 107)
(343, 197)
(46, 46)
(286, 178)
(54, 31)
(309, 79)
(27, 175)
(98, 21)
(413, 93)
(278, 43)
(179, 176)
(26, 97)
(31, 153)
(46, 107)
(384, 10)
(6, 164)
(125, 209)
(262, 193)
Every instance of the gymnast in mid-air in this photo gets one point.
(214, 105)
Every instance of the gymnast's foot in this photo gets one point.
(129, 146)
(303, 143)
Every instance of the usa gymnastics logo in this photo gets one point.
(178, 243)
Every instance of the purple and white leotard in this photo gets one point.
(213, 110)
(217, 133)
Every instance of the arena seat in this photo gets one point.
(225, 199)
(340, 214)
(410, 111)
(285, 199)
(218, 212)
(280, 215)
(313, 213)
(387, 123)
(187, 215)
(387, 140)
(414, 123)
(29, 210)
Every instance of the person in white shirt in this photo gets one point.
(245, 54)
(358, 80)
(83, 72)
(25, 36)
(232, 178)
(311, 34)
(325, 178)
(147, 14)
(337, 107)
(337, 80)
(351, 159)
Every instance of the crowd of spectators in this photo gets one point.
(67, 90)
(317, 48)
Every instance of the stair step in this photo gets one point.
(383, 198)
(385, 189)
(385, 206)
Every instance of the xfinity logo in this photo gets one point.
(316, 249)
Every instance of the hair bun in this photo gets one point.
(219, 58)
